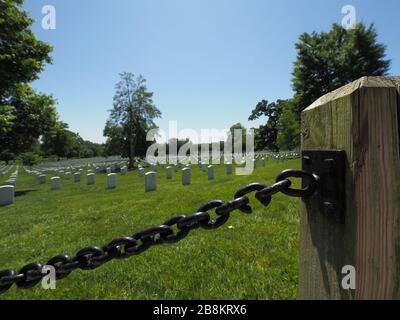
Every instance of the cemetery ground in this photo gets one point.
(251, 257)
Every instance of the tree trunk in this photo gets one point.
(132, 142)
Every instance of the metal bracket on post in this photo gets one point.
(329, 165)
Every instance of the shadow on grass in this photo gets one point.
(23, 192)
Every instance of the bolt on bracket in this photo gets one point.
(329, 197)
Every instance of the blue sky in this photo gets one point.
(208, 62)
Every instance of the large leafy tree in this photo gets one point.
(33, 114)
(266, 135)
(22, 56)
(288, 137)
(325, 62)
(24, 114)
(58, 141)
(130, 119)
(329, 60)
(231, 133)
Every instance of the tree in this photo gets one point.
(266, 135)
(325, 62)
(115, 144)
(90, 149)
(57, 141)
(132, 116)
(30, 158)
(329, 60)
(24, 114)
(288, 137)
(63, 143)
(238, 126)
(33, 115)
(22, 56)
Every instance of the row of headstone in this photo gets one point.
(63, 171)
(56, 181)
(150, 181)
(5, 169)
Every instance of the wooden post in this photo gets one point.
(363, 119)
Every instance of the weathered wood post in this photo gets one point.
(363, 119)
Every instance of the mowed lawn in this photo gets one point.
(251, 257)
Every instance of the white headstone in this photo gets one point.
(186, 176)
(210, 172)
(11, 182)
(150, 181)
(108, 170)
(203, 167)
(111, 180)
(42, 179)
(124, 170)
(169, 172)
(141, 171)
(55, 183)
(263, 161)
(6, 195)
(90, 178)
(228, 168)
(77, 177)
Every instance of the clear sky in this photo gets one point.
(208, 62)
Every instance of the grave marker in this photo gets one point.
(6, 195)
(169, 172)
(42, 179)
(210, 172)
(186, 172)
(55, 183)
(228, 168)
(150, 181)
(111, 180)
(77, 177)
(90, 178)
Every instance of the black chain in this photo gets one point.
(93, 257)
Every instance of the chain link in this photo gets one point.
(121, 248)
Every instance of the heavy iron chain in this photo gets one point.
(93, 257)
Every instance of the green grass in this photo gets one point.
(250, 257)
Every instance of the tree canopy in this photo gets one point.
(265, 135)
(24, 114)
(131, 117)
(328, 60)
(325, 62)
(22, 56)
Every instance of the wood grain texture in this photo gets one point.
(361, 118)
